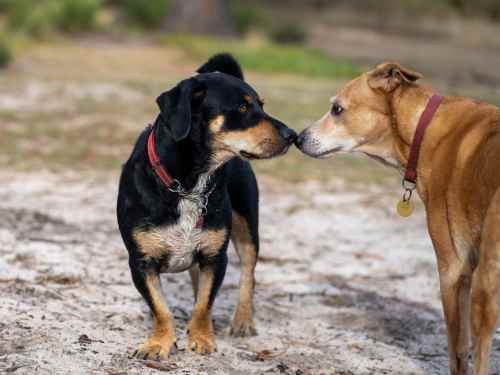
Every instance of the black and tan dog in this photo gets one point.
(207, 125)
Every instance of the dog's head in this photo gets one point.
(359, 116)
(224, 116)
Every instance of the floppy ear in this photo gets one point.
(388, 76)
(177, 105)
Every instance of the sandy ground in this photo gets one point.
(344, 286)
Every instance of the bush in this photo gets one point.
(246, 17)
(488, 8)
(5, 53)
(38, 18)
(77, 15)
(146, 13)
(288, 33)
(32, 17)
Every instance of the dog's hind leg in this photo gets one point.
(244, 195)
(486, 290)
(455, 274)
(194, 273)
(455, 294)
(247, 248)
(163, 340)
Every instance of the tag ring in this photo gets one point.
(407, 195)
(408, 185)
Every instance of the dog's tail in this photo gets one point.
(224, 63)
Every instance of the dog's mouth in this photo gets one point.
(327, 154)
(251, 156)
(265, 155)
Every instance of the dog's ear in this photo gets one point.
(390, 75)
(178, 104)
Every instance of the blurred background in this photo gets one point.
(85, 73)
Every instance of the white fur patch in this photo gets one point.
(183, 237)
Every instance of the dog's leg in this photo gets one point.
(163, 340)
(243, 323)
(455, 294)
(484, 316)
(194, 273)
(486, 291)
(201, 332)
(455, 274)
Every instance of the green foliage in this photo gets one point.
(467, 8)
(268, 57)
(36, 18)
(292, 33)
(147, 13)
(6, 55)
(246, 16)
(77, 15)
(40, 17)
(489, 8)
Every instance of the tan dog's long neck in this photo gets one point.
(406, 105)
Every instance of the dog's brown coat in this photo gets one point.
(458, 181)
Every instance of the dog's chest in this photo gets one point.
(183, 238)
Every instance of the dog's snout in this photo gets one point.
(300, 140)
(288, 134)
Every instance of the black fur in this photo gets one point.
(224, 63)
(185, 145)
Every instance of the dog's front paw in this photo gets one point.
(201, 343)
(243, 325)
(156, 349)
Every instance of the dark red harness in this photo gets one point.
(425, 119)
(161, 171)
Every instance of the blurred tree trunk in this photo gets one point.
(459, 5)
(200, 17)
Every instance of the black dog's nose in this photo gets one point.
(288, 134)
(300, 140)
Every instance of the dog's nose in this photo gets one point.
(288, 134)
(300, 140)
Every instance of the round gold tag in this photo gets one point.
(404, 208)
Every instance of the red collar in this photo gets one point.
(161, 171)
(155, 162)
(425, 119)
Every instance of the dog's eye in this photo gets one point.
(243, 108)
(337, 109)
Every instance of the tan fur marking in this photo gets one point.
(212, 241)
(194, 273)
(262, 139)
(243, 324)
(201, 332)
(163, 338)
(150, 243)
(216, 124)
(162, 314)
(248, 99)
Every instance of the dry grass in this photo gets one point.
(81, 106)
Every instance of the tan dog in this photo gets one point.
(458, 180)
